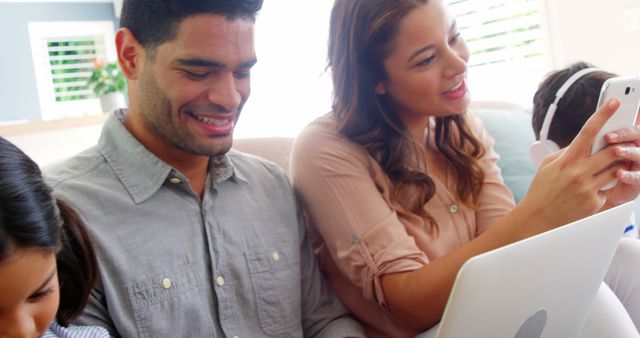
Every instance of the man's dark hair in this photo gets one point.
(154, 22)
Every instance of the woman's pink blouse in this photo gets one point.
(361, 234)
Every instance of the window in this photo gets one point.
(506, 42)
(291, 88)
(71, 61)
(63, 57)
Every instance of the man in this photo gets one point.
(193, 240)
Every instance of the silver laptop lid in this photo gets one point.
(539, 287)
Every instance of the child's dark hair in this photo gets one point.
(576, 106)
(32, 218)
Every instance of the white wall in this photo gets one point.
(290, 87)
(594, 31)
(289, 84)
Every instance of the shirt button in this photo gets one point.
(166, 283)
(236, 337)
(453, 208)
(174, 180)
(220, 281)
(276, 256)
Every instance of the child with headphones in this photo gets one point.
(562, 104)
(564, 101)
(47, 263)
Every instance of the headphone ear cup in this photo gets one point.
(541, 149)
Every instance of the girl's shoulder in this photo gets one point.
(57, 331)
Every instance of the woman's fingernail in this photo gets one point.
(613, 103)
(613, 137)
(621, 151)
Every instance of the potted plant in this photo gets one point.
(108, 83)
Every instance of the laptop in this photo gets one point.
(542, 286)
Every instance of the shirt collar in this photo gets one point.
(226, 168)
(140, 171)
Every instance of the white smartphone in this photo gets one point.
(627, 90)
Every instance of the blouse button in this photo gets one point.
(174, 180)
(453, 208)
(276, 256)
(166, 283)
(220, 281)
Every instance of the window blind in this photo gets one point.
(506, 42)
(63, 59)
(500, 30)
(72, 61)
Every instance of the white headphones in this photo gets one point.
(543, 147)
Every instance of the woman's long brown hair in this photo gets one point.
(360, 39)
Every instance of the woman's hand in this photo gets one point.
(567, 185)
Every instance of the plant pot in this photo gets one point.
(113, 100)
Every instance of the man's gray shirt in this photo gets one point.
(236, 263)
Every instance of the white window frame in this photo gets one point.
(39, 32)
(508, 80)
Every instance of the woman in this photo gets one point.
(47, 262)
(402, 184)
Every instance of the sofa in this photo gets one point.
(508, 123)
(510, 126)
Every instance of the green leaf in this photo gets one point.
(107, 78)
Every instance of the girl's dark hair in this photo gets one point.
(360, 39)
(32, 218)
(575, 107)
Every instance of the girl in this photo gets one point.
(47, 262)
(402, 184)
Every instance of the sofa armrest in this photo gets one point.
(274, 149)
(510, 126)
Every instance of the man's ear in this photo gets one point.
(380, 88)
(130, 53)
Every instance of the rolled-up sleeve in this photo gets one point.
(345, 200)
